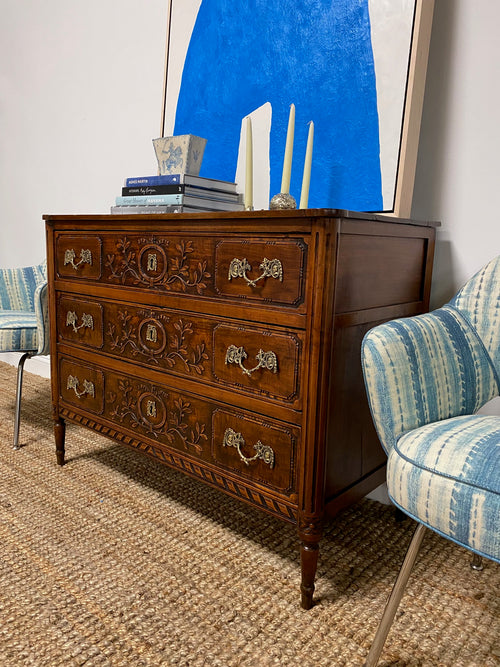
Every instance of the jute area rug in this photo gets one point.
(116, 560)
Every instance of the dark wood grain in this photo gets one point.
(228, 346)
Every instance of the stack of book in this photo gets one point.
(177, 193)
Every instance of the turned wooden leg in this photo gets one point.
(310, 533)
(59, 432)
(309, 562)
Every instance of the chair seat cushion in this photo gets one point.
(18, 331)
(447, 476)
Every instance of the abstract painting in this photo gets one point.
(344, 64)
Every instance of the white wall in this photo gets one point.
(458, 174)
(80, 101)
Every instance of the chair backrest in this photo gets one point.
(435, 366)
(479, 303)
(17, 286)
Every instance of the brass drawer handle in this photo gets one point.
(85, 258)
(72, 319)
(88, 387)
(271, 268)
(267, 360)
(264, 452)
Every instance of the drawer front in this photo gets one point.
(257, 269)
(260, 450)
(159, 338)
(81, 385)
(78, 256)
(80, 321)
(262, 362)
(256, 449)
(267, 272)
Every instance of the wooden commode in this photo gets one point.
(227, 346)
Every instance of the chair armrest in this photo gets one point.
(424, 369)
(17, 287)
(42, 317)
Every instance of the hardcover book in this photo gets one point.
(145, 209)
(148, 210)
(150, 190)
(186, 179)
(181, 199)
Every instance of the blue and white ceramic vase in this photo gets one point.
(179, 155)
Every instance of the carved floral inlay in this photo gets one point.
(156, 336)
(144, 407)
(149, 265)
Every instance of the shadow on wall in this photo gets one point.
(444, 285)
(431, 161)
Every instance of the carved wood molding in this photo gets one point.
(237, 489)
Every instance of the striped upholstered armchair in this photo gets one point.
(426, 378)
(23, 320)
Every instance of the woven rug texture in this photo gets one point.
(116, 560)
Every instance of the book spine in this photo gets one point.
(145, 200)
(167, 179)
(146, 209)
(192, 190)
(142, 190)
(176, 179)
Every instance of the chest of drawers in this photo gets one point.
(227, 346)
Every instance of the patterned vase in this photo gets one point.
(179, 155)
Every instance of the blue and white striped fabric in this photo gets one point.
(23, 310)
(426, 377)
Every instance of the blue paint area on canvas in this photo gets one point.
(314, 53)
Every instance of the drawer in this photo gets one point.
(262, 361)
(78, 256)
(263, 270)
(266, 271)
(144, 408)
(80, 321)
(255, 360)
(258, 449)
(81, 385)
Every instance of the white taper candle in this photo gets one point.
(287, 162)
(306, 178)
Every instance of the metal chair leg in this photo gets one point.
(395, 597)
(19, 388)
(476, 562)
